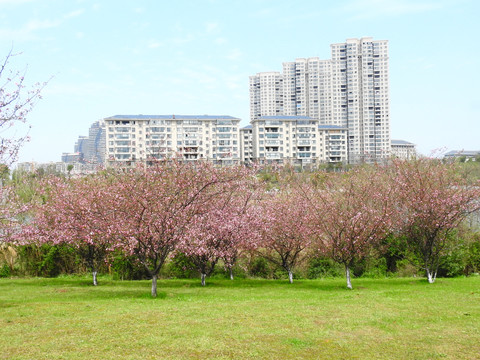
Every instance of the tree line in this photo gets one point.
(197, 215)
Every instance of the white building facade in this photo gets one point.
(297, 140)
(133, 138)
(350, 90)
(403, 150)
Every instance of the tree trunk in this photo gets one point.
(231, 274)
(154, 285)
(290, 276)
(347, 274)
(431, 276)
(94, 276)
(203, 279)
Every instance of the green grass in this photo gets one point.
(67, 318)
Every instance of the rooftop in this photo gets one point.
(333, 127)
(283, 117)
(462, 153)
(171, 117)
(402, 142)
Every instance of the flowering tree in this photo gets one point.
(285, 229)
(15, 103)
(220, 231)
(350, 213)
(155, 206)
(433, 198)
(73, 212)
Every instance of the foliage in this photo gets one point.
(350, 213)
(323, 267)
(432, 200)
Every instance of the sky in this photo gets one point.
(189, 57)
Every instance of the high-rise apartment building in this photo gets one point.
(266, 94)
(350, 90)
(360, 95)
(92, 147)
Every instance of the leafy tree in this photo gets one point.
(221, 230)
(154, 207)
(350, 213)
(73, 211)
(433, 198)
(285, 232)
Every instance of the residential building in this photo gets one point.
(360, 94)
(297, 140)
(92, 147)
(333, 141)
(71, 157)
(133, 138)
(246, 144)
(473, 155)
(266, 94)
(350, 90)
(403, 150)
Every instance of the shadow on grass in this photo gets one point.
(81, 287)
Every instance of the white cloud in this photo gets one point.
(74, 14)
(28, 30)
(220, 41)
(364, 9)
(211, 28)
(234, 54)
(183, 39)
(14, 2)
(154, 44)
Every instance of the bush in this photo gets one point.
(48, 260)
(180, 266)
(4, 271)
(126, 267)
(320, 267)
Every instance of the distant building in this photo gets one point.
(66, 168)
(465, 154)
(403, 150)
(92, 147)
(246, 144)
(72, 157)
(350, 90)
(297, 140)
(334, 140)
(133, 138)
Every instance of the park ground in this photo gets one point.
(398, 318)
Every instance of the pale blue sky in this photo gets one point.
(194, 57)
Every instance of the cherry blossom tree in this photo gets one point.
(155, 206)
(433, 198)
(350, 213)
(220, 231)
(15, 103)
(285, 229)
(73, 212)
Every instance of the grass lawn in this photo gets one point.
(67, 318)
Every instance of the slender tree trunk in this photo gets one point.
(290, 276)
(347, 274)
(431, 276)
(203, 279)
(154, 285)
(231, 274)
(94, 276)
